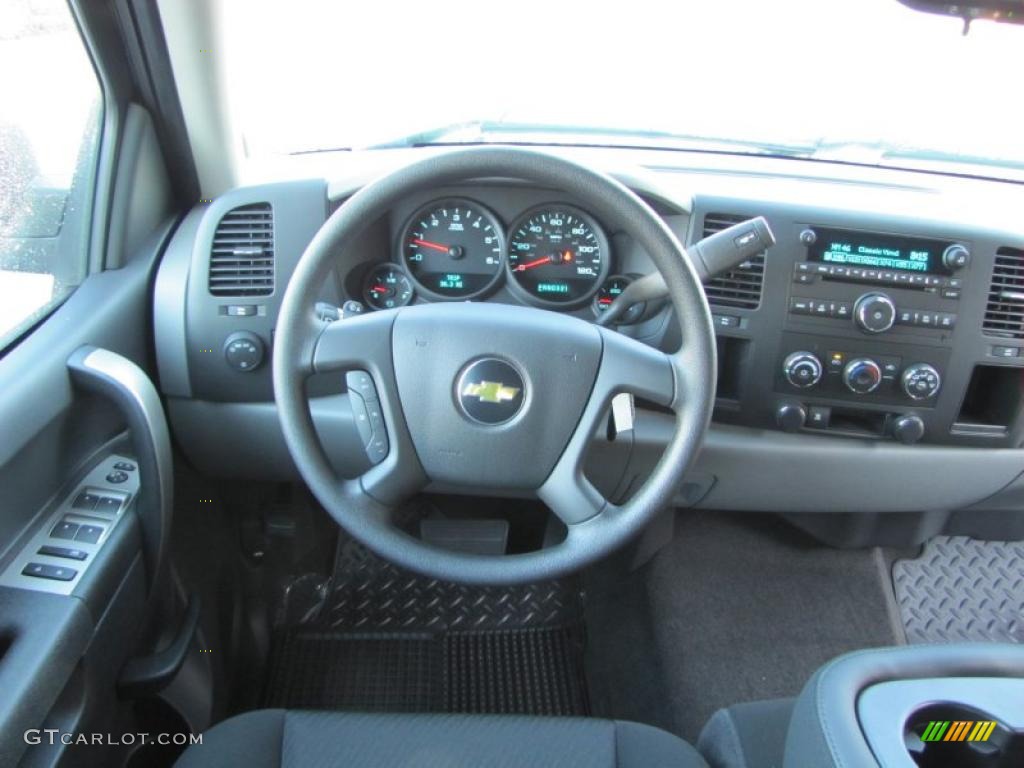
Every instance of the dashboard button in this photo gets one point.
(117, 477)
(800, 306)
(125, 466)
(803, 278)
(951, 293)
(946, 320)
(818, 416)
(926, 319)
(1005, 352)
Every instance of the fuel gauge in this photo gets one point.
(609, 291)
(386, 286)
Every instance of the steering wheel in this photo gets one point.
(487, 395)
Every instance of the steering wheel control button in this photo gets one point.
(802, 370)
(117, 477)
(367, 413)
(68, 553)
(862, 376)
(244, 351)
(490, 391)
(874, 313)
(921, 381)
(64, 530)
(52, 572)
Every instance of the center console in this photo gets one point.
(867, 330)
(869, 321)
(914, 706)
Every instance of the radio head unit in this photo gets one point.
(867, 250)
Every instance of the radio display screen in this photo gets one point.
(848, 248)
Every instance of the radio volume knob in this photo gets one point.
(874, 313)
(956, 257)
(921, 381)
(862, 375)
(802, 369)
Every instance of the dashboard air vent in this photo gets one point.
(1004, 314)
(740, 287)
(242, 257)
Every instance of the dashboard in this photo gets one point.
(881, 337)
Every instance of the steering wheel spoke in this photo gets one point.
(626, 366)
(356, 343)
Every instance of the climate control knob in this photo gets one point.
(802, 369)
(862, 375)
(921, 381)
(874, 313)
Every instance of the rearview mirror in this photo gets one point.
(1005, 11)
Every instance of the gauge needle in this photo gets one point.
(428, 244)
(380, 288)
(534, 263)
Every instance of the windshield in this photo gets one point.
(862, 80)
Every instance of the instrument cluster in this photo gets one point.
(554, 256)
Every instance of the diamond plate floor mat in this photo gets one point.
(374, 637)
(961, 589)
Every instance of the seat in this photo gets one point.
(278, 738)
(748, 735)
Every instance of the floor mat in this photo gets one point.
(376, 638)
(960, 589)
(735, 608)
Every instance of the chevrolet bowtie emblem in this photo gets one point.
(490, 391)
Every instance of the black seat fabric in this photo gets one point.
(277, 738)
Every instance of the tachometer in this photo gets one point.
(386, 286)
(558, 256)
(453, 249)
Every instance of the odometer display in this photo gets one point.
(558, 256)
(453, 249)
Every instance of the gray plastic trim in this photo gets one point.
(94, 481)
(169, 308)
(128, 386)
(883, 709)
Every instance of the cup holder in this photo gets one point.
(946, 734)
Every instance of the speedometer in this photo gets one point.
(558, 256)
(453, 249)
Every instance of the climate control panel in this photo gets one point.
(866, 372)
